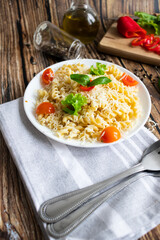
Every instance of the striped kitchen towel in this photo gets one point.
(49, 168)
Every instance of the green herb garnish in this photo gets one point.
(80, 78)
(100, 70)
(146, 20)
(84, 80)
(100, 80)
(73, 103)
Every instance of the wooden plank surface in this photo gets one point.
(20, 62)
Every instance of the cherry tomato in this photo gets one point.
(85, 88)
(45, 108)
(47, 76)
(110, 134)
(129, 81)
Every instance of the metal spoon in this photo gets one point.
(57, 208)
(71, 221)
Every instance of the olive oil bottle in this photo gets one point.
(81, 21)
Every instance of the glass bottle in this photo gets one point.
(54, 41)
(81, 21)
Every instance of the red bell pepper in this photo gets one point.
(138, 41)
(152, 43)
(129, 28)
(149, 42)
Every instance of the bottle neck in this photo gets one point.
(79, 3)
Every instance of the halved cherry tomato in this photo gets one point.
(45, 108)
(129, 81)
(85, 88)
(47, 76)
(110, 134)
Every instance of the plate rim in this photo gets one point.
(77, 143)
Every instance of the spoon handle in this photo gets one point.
(57, 208)
(71, 221)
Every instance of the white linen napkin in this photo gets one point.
(49, 168)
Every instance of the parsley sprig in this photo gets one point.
(100, 70)
(73, 103)
(148, 20)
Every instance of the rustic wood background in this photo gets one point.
(20, 62)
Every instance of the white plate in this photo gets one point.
(31, 95)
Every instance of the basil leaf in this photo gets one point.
(100, 80)
(81, 78)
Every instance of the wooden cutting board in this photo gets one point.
(115, 44)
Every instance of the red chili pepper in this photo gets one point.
(129, 28)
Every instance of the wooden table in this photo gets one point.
(19, 64)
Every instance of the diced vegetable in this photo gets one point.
(110, 134)
(129, 28)
(73, 103)
(47, 76)
(45, 108)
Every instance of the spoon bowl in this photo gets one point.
(151, 160)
